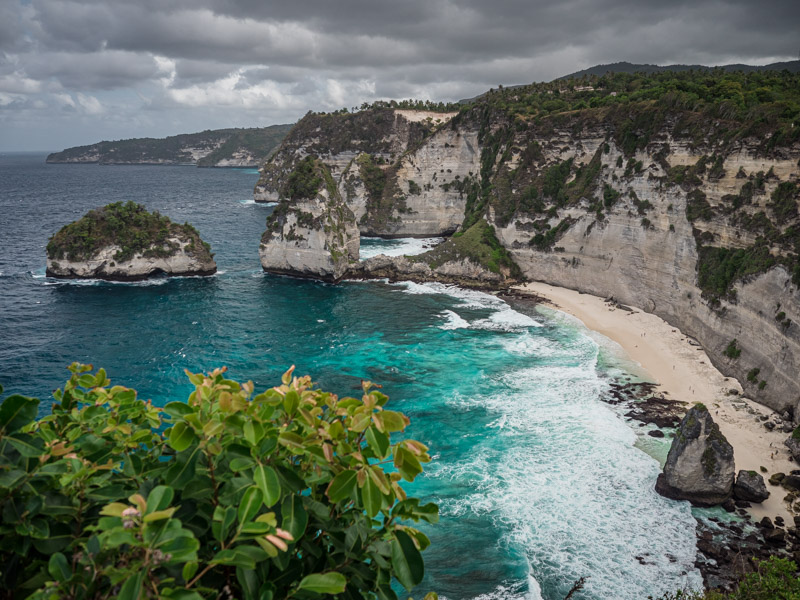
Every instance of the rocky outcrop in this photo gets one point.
(401, 172)
(793, 443)
(103, 265)
(217, 148)
(402, 268)
(750, 487)
(124, 242)
(699, 465)
(312, 234)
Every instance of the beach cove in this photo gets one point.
(684, 372)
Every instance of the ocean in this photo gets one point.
(539, 482)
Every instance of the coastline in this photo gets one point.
(683, 372)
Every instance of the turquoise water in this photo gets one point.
(539, 482)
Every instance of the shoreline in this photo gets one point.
(682, 371)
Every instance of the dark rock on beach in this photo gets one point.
(750, 487)
(699, 465)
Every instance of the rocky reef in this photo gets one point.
(684, 204)
(700, 466)
(125, 242)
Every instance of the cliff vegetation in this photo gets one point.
(129, 226)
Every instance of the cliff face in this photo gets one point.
(645, 251)
(103, 265)
(217, 148)
(687, 214)
(313, 234)
(399, 171)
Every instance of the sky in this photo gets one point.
(74, 72)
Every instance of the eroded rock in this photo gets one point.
(700, 465)
(750, 487)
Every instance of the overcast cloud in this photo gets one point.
(74, 72)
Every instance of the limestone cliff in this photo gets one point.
(683, 203)
(399, 171)
(638, 235)
(124, 242)
(311, 233)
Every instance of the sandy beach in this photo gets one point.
(684, 372)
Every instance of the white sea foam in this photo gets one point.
(251, 202)
(453, 321)
(397, 247)
(506, 319)
(561, 478)
(502, 318)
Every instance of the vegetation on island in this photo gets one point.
(278, 494)
(130, 227)
(213, 146)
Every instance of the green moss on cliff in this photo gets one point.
(478, 244)
(130, 227)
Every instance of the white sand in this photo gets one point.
(684, 372)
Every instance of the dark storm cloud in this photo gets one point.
(183, 62)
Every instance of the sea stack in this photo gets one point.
(311, 233)
(699, 465)
(125, 242)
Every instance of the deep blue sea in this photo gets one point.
(539, 482)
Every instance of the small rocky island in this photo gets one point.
(126, 242)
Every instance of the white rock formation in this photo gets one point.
(103, 265)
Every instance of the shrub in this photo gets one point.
(776, 579)
(304, 181)
(752, 375)
(272, 495)
(733, 351)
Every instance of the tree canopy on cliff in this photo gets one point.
(278, 494)
(130, 227)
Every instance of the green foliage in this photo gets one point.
(784, 200)
(610, 196)
(775, 579)
(719, 268)
(282, 493)
(413, 188)
(733, 351)
(697, 207)
(545, 241)
(373, 177)
(478, 244)
(752, 375)
(130, 227)
(727, 105)
(304, 180)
